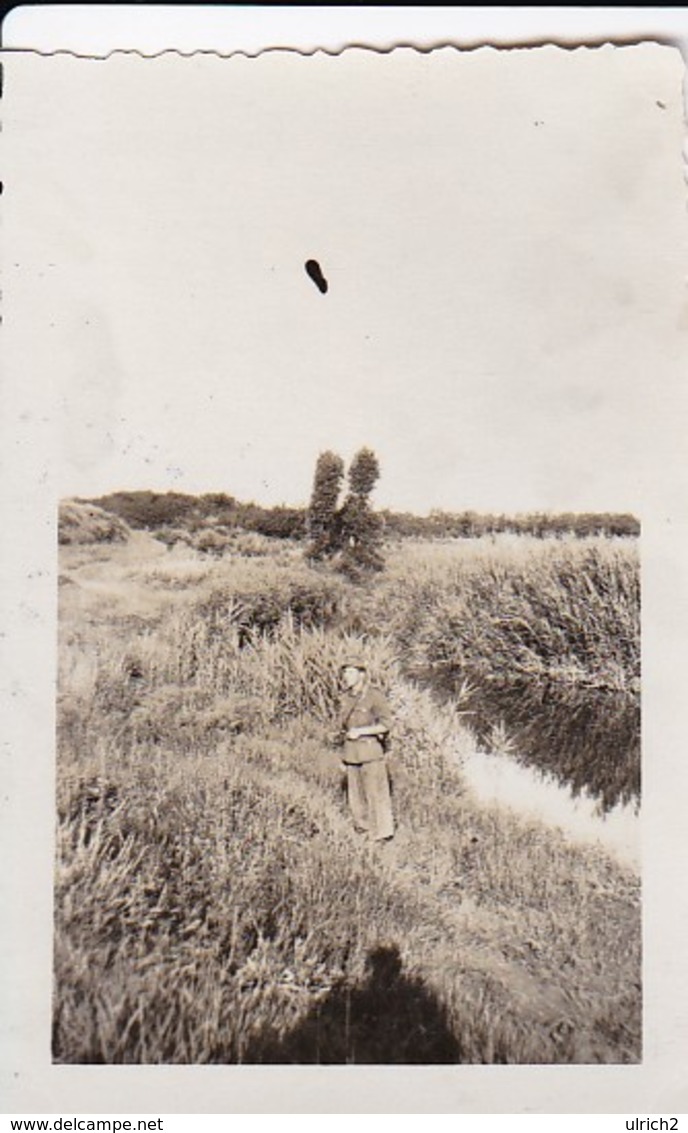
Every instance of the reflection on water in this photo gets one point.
(568, 756)
(588, 740)
(499, 779)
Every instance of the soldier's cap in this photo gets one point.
(353, 663)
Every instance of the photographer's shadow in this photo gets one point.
(389, 1018)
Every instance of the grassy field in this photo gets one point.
(213, 904)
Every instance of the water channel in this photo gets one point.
(570, 757)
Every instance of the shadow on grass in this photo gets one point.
(389, 1018)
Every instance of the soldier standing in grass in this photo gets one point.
(365, 720)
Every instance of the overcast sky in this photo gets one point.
(499, 235)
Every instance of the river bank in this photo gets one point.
(213, 903)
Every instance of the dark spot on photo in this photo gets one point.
(313, 270)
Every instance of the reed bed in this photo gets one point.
(213, 904)
(521, 610)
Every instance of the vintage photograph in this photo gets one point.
(348, 362)
(338, 785)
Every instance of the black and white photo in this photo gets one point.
(349, 375)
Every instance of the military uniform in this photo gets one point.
(366, 769)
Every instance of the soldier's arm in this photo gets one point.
(381, 719)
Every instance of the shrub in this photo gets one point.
(258, 603)
(80, 522)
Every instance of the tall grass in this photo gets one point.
(210, 909)
(566, 613)
(213, 903)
